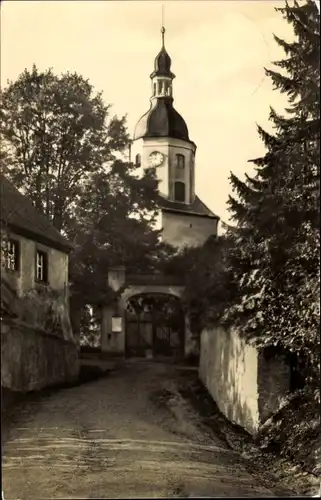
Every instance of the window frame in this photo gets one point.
(179, 157)
(179, 169)
(45, 273)
(17, 264)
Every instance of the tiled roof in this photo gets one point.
(195, 208)
(22, 217)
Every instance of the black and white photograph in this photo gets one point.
(160, 249)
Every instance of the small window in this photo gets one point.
(179, 191)
(138, 160)
(154, 88)
(180, 168)
(42, 267)
(165, 87)
(180, 162)
(12, 255)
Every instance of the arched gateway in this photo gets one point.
(148, 318)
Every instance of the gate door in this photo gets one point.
(154, 325)
(139, 334)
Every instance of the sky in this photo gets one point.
(218, 49)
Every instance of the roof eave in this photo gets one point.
(186, 212)
(167, 74)
(156, 136)
(44, 240)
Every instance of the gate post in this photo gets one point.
(116, 277)
(113, 336)
(190, 347)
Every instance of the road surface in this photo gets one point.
(129, 434)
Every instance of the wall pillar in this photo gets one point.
(113, 329)
(274, 381)
(116, 277)
(191, 345)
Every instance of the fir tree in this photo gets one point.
(275, 256)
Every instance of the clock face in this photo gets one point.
(155, 159)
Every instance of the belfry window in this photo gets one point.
(180, 161)
(179, 178)
(165, 87)
(179, 191)
(180, 168)
(138, 160)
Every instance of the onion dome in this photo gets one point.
(162, 120)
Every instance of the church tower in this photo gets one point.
(161, 141)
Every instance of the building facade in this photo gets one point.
(34, 254)
(38, 348)
(161, 141)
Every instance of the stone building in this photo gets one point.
(161, 141)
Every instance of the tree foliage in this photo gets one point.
(273, 261)
(58, 133)
(113, 225)
(208, 284)
(64, 150)
(277, 242)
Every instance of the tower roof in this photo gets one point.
(162, 120)
(162, 63)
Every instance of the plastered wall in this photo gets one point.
(24, 279)
(181, 229)
(32, 359)
(228, 369)
(246, 385)
(169, 147)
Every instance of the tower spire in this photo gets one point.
(163, 27)
(162, 77)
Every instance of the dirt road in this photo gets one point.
(130, 434)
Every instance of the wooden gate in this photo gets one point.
(157, 329)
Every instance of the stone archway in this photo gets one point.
(113, 327)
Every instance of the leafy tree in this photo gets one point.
(57, 132)
(65, 152)
(275, 257)
(208, 285)
(113, 225)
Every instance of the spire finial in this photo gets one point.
(163, 36)
(163, 29)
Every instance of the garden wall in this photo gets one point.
(32, 359)
(246, 385)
